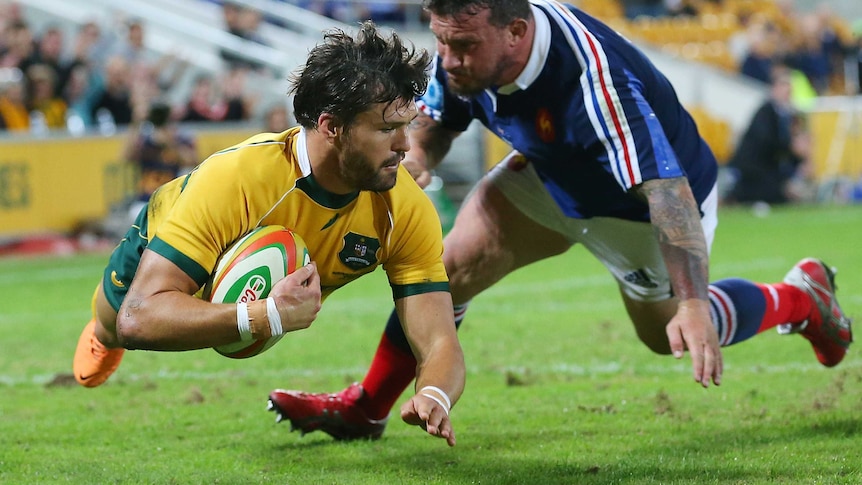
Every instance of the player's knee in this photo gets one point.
(659, 347)
(654, 337)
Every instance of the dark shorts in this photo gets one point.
(123, 263)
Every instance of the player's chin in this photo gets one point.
(464, 86)
(385, 179)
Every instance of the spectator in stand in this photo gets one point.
(857, 49)
(43, 102)
(277, 118)
(167, 70)
(49, 52)
(10, 11)
(385, 12)
(681, 8)
(160, 150)
(233, 94)
(763, 50)
(90, 44)
(649, 8)
(201, 105)
(14, 116)
(19, 45)
(207, 104)
(83, 47)
(244, 23)
(345, 11)
(114, 95)
(810, 55)
(772, 156)
(80, 97)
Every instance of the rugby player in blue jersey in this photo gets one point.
(604, 156)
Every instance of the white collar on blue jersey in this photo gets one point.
(538, 54)
(302, 152)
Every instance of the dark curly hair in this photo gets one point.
(503, 12)
(345, 76)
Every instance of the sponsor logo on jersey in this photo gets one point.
(640, 278)
(545, 126)
(359, 251)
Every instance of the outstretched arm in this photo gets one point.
(676, 220)
(429, 324)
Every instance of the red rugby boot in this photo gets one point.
(827, 327)
(337, 415)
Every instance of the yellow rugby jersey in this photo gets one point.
(267, 180)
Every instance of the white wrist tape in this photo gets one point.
(438, 391)
(242, 322)
(441, 403)
(274, 317)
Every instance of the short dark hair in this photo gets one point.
(345, 76)
(503, 12)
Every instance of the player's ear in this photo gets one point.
(329, 126)
(518, 30)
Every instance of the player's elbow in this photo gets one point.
(132, 333)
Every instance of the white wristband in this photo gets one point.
(438, 391)
(274, 317)
(442, 405)
(242, 322)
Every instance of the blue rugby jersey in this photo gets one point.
(591, 112)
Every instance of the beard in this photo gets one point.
(363, 174)
(470, 85)
(468, 89)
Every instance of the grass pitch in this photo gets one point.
(559, 389)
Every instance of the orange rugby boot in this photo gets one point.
(94, 362)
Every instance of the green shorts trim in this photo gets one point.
(123, 263)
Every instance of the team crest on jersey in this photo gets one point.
(545, 126)
(359, 252)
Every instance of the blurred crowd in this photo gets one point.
(104, 78)
(816, 43)
(351, 11)
(810, 42)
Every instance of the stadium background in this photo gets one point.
(53, 183)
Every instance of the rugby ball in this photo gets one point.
(246, 272)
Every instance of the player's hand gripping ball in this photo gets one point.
(246, 272)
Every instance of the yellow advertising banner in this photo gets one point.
(55, 184)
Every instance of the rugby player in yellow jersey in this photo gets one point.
(337, 181)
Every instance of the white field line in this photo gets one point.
(563, 368)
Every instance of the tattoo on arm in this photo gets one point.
(676, 220)
(432, 139)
